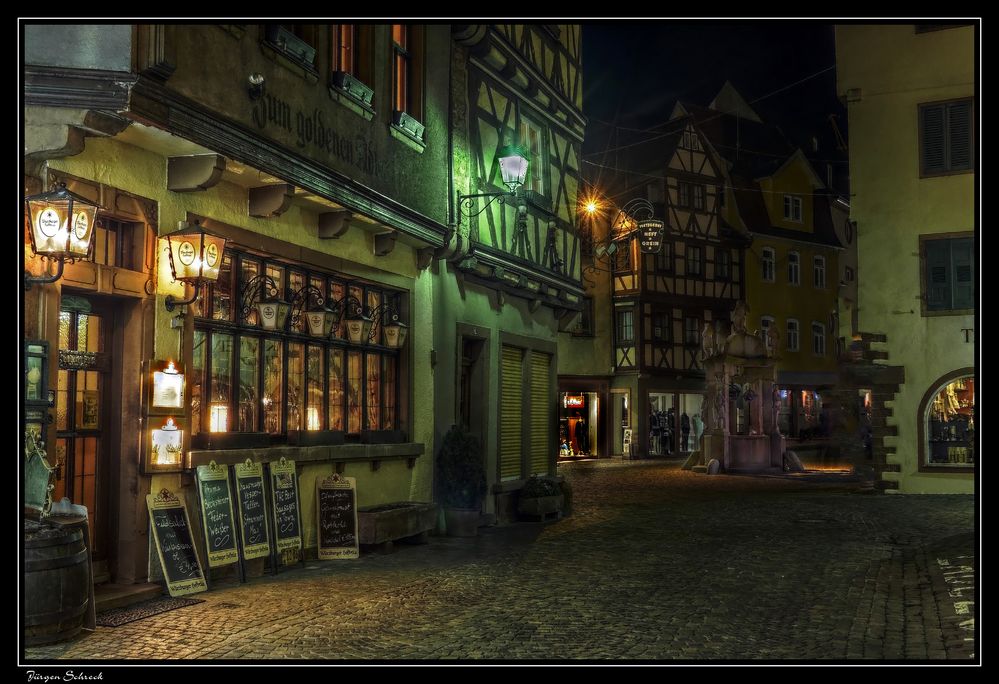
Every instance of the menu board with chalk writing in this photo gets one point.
(174, 544)
(336, 511)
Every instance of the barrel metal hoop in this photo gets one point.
(53, 541)
(53, 563)
(56, 617)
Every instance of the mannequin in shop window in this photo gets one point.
(580, 435)
(575, 432)
(655, 433)
(666, 422)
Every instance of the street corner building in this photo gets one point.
(363, 275)
(912, 103)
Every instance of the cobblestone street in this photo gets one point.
(654, 563)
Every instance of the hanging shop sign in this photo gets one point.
(650, 235)
(174, 544)
(70, 359)
(574, 401)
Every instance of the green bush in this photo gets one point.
(461, 475)
(539, 486)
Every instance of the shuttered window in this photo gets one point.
(511, 410)
(949, 274)
(541, 447)
(946, 137)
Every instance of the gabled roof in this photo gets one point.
(729, 101)
(798, 156)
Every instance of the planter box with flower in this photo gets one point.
(541, 497)
(461, 482)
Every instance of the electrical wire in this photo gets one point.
(720, 114)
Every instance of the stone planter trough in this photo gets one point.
(406, 520)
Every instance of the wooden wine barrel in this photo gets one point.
(56, 583)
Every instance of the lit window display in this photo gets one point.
(950, 422)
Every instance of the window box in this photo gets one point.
(291, 45)
(349, 85)
(411, 126)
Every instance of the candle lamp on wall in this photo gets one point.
(167, 386)
(166, 446)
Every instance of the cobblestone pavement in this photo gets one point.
(654, 563)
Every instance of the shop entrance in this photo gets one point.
(578, 420)
(83, 413)
(675, 423)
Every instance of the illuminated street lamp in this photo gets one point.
(513, 163)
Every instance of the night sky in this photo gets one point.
(634, 72)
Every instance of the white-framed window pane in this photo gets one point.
(792, 335)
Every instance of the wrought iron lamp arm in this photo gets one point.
(378, 316)
(172, 302)
(252, 291)
(466, 201)
(301, 298)
(30, 280)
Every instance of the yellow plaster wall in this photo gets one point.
(793, 179)
(892, 70)
(803, 302)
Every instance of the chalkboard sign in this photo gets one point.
(174, 544)
(284, 492)
(336, 511)
(216, 514)
(252, 509)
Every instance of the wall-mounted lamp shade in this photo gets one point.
(167, 445)
(358, 328)
(395, 333)
(195, 255)
(513, 163)
(320, 321)
(62, 224)
(273, 313)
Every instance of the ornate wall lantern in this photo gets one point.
(62, 228)
(195, 258)
(513, 163)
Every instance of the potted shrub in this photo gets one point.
(461, 482)
(540, 496)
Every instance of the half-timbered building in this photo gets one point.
(513, 263)
(663, 301)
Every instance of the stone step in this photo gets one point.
(108, 596)
(699, 468)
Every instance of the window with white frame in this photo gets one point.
(793, 268)
(768, 264)
(792, 335)
(532, 138)
(819, 271)
(792, 208)
(818, 339)
(766, 322)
